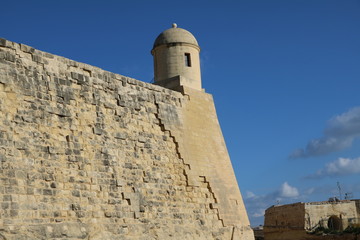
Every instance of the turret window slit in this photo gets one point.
(187, 60)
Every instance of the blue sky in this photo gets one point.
(285, 76)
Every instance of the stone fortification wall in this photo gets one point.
(296, 221)
(318, 213)
(286, 216)
(202, 147)
(357, 204)
(285, 222)
(88, 154)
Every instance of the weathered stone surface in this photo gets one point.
(297, 220)
(88, 154)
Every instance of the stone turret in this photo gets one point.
(176, 59)
(197, 131)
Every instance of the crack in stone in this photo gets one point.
(163, 128)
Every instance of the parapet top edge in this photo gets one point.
(5, 43)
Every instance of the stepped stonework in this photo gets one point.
(89, 154)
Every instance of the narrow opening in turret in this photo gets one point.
(187, 60)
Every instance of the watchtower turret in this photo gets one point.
(176, 59)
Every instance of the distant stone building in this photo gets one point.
(295, 221)
(259, 233)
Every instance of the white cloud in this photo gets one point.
(340, 167)
(250, 195)
(259, 213)
(309, 191)
(339, 134)
(288, 191)
(345, 125)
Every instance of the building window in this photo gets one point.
(187, 60)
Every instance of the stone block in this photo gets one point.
(26, 48)
(3, 42)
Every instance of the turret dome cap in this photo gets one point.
(175, 35)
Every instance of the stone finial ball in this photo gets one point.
(174, 25)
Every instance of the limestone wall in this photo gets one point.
(295, 221)
(319, 213)
(285, 222)
(89, 154)
(357, 204)
(289, 216)
(202, 147)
